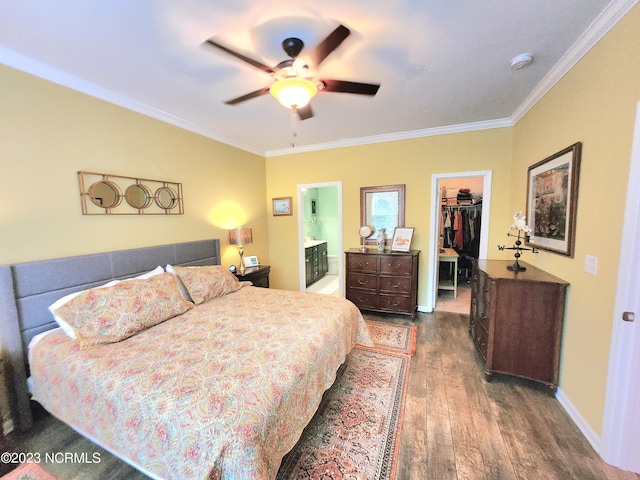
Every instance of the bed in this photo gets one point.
(222, 389)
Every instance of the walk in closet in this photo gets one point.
(460, 223)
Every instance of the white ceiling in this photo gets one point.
(442, 65)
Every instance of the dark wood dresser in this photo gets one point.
(259, 276)
(516, 320)
(383, 282)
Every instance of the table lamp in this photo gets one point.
(240, 237)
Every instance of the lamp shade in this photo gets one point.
(294, 92)
(240, 236)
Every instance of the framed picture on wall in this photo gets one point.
(552, 199)
(282, 206)
(402, 239)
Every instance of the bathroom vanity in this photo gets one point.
(315, 260)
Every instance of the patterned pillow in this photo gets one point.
(111, 314)
(204, 283)
(66, 328)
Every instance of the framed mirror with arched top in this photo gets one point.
(382, 207)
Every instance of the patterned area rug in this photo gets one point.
(396, 338)
(355, 432)
(28, 471)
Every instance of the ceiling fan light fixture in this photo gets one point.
(294, 92)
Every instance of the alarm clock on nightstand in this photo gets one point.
(232, 269)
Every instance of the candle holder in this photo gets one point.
(520, 225)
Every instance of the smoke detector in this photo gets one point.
(521, 61)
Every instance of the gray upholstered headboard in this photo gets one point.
(27, 289)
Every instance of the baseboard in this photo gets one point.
(592, 437)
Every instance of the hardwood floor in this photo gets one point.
(456, 425)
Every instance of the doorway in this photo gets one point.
(457, 202)
(320, 226)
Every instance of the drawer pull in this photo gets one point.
(360, 282)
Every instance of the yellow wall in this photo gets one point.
(411, 162)
(48, 133)
(595, 104)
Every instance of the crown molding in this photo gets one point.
(607, 19)
(392, 137)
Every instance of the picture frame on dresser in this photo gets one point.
(402, 239)
(251, 261)
(552, 199)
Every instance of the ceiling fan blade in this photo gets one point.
(242, 57)
(329, 44)
(248, 96)
(344, 86)
(305, 112)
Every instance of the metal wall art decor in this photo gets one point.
(552, 199)
(106, 194)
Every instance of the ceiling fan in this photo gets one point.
(295, 78)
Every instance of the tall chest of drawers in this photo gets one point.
(383, 282)
(516, 321)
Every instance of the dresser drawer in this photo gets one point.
(395, 265)
(363, 263)
(400, 285)
(362, 281)
(395, 303)
(482, 285)
(482, 313)
(362, 299)
(479, 312)
(480, 339)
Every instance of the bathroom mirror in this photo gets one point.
(138, 196)
(382, 207)
(105, 194)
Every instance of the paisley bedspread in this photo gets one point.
(222, 391)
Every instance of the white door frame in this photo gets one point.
(301, 259)
(620, 436)
(436, 203)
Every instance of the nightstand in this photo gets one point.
(259, 275)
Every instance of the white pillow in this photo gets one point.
(156, 271)
(66, 328)
(181, 286)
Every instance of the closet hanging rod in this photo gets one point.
(477, 205)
